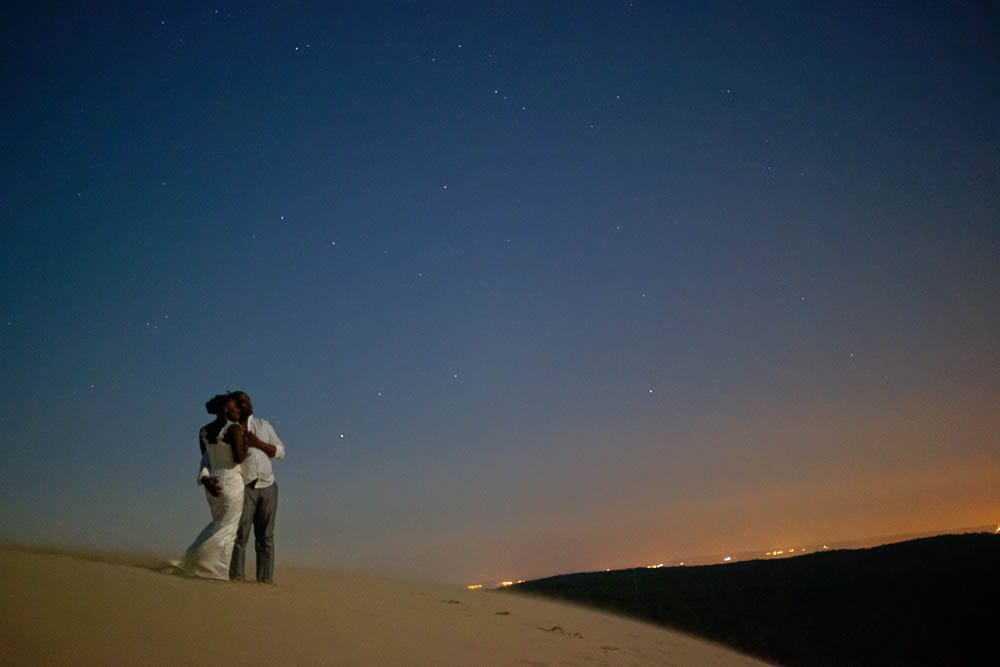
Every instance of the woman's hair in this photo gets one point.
(215, 404)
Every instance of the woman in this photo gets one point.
(222, 440)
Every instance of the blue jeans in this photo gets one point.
(260, 506)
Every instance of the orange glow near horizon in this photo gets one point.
(747, 555)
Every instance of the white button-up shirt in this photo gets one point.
(257, 465)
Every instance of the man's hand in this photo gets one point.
(212, 485)
(252, 440)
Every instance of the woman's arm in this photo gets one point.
(237, 442)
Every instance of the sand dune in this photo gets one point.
(85, 609)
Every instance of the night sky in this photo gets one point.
(525, 287)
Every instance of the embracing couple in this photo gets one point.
(236, 453)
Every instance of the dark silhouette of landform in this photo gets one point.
(929, 601)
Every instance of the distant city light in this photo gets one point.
(995, 528)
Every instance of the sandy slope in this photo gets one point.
(81, 610)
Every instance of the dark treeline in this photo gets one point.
(930, 601)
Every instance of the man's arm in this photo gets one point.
(206, 465)
(204, 472)
(205, 477)
(267, 441)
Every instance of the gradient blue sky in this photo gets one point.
(525, 287)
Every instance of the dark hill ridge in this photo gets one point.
(930, 601)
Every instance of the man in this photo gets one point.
(260, 496)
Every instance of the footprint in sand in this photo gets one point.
(558, 629)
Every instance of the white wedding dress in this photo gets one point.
(210, 553)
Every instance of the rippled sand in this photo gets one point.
(89, 609)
